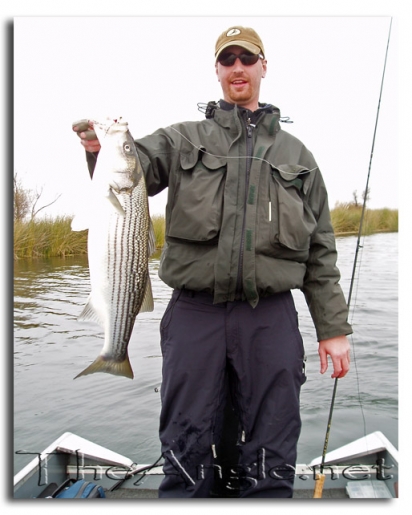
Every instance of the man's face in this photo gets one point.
(241, 83)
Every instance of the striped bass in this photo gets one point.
(120, 241)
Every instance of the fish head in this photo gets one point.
(118, 164)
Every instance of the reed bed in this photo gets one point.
(346, 219)
(50, 237)
(159, 230)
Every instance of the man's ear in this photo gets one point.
(264, 68)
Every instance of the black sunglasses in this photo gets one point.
(229, 59)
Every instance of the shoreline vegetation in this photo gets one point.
(53, 237)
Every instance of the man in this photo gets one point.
(247, 220)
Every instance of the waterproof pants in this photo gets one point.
(263, 350)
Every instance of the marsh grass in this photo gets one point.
(159, 230)
(346, 219)
(52, 237)
(48, 237)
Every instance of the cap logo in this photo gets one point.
(233, 32)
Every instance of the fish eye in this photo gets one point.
(127, 147)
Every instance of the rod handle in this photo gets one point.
(320, 480)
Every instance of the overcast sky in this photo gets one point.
(323, 72)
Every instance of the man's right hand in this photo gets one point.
(88, 138)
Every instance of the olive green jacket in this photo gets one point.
(245, 227)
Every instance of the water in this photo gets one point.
(51, 347)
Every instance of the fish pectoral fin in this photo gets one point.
(147, 304)
(109, 366)
(79, 223)
(90, 314)
(115, 202)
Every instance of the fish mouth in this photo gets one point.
(123, 189)
(124, 184)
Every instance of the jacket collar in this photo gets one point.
(222, 112)
(268, 108)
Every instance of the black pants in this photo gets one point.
(263, 349)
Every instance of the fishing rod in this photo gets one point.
(320, 477)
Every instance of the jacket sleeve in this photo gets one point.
(159, 152)
(321, 287)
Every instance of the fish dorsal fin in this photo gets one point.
(79, 222)
(151, 244)
(147, 304)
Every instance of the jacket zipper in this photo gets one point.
(249, 153)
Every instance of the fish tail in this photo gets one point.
(109, 366)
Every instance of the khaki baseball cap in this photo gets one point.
(244, 37)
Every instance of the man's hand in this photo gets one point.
(88, 138)
(338, 349)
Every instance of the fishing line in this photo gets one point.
(358, 246)
(198, 147)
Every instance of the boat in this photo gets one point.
(364, 468)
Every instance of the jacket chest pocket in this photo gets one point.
(197, 199)
(291, 218)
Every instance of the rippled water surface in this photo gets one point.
(51, 347)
